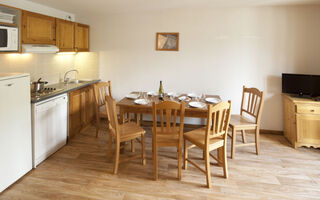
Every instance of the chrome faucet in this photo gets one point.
(65, 79)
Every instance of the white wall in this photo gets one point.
(220, 51)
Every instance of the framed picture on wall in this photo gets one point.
(167, 42)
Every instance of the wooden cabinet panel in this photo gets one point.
(308, 127)
(38, 29)
(81, 37)
(81, 110)
(289, 121)
(74, 112)
(301, 121)
(65, 32)
(308, 109)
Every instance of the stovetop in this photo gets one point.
(46, 92)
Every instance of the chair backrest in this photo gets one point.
(218, 120)
(252, 103)
(112, 116)
(168, 112)
(101, 89)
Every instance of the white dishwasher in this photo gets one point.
(50, 127)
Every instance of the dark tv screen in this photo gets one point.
(301, 84)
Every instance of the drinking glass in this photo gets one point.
(203, 96)
(197, 98)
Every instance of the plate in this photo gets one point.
(141, 101)
(212, 100)
(184, 98)
(170, 94)
(197, 104)
(192, 95)
(152, 93)
(132, 96)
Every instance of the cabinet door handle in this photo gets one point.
(312, 110)
(10, 84)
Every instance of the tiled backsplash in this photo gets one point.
(51, 67)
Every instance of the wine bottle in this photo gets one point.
(161, 94)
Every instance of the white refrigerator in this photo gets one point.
(15, 128)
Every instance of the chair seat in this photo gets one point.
(103, 112)
(167, 138)
(197, 137)
(130, 131)
(239, 121)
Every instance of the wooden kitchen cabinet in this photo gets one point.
(65, 33)
(81, 37)
(81, 109)
(74, 112)
(301, 121)
(38, 28)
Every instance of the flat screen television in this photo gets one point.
(301, 84)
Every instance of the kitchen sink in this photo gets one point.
(76, 81)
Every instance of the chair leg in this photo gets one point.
(233, 145)
(132, 146)
(143, 152)
(109, 147)
(207, 160)
(155, 162)
(225, 165)
(179, 160)
(116, 159)
(185, 165)
(257, 141)
(97, 126)
(243, 136)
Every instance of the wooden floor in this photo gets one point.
(80, 170)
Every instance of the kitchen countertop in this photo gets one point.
(6, 76)
(63, 88)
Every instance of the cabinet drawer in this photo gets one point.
(308, 109)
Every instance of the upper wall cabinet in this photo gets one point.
(38, 29)
(81, 37)
(65, 35)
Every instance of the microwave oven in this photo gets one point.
(9, 38)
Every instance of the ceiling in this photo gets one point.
(92, 7)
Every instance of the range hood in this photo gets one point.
(39, 48)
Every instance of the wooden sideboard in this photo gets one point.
(301, 121)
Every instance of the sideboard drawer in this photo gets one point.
(308, 109)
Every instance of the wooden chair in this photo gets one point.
(211, 137)
(101, 89)
(249, 118)
(168, 133)
(122, 133)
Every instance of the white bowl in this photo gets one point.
(197, 104)
(132, 96)
(141, 101)
(212, 100)
(192, 95)
(184, 98)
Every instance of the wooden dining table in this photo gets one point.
(127, 105)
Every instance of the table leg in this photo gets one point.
(122, 117)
